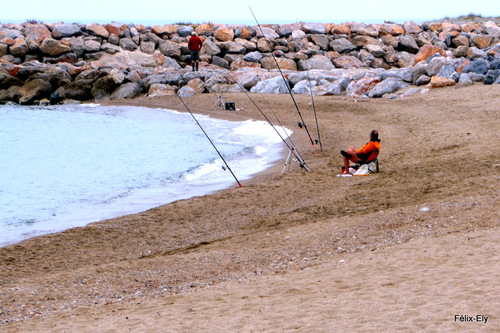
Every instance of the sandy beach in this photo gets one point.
(412, 248)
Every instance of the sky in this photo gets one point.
(237, 11)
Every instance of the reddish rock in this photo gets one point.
(444, 34)
(19, 48)
(412, 28)
(141, 29)
(439, 82)
(447, 26)
(360, 87)
(390, 29)
(37, 32)
(341, 29)
(426, 52)
(347, 62)
(97, 30)
(8, 41)
(460, 40)
(224, 34)
(436, 27)
(116, 29)
(54, 47)
(461, 68)
(204, 29)
(481, 41)
(470, 27)
(246, 33)
(240, 63)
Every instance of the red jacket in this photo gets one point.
(194, 43)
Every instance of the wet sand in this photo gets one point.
(407, 249)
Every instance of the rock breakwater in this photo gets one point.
(54, 63)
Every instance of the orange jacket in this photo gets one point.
(369, 151)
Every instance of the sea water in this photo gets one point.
(67, 166)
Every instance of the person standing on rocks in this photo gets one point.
(194, 45)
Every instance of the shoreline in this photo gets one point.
(210, 187)
(290, 235)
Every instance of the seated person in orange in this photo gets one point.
(364, 155)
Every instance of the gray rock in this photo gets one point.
(435, 65)
(275, 85)
(448, 71)
(315, 28)
(92, 45)
(255, 56)
(53, 47)
(475, 76)
(268, 33)
(128, 44)
(170, 49)
(185, 30)
(408, 43)
(218, 61)
(232, 47)
(419, 70)
(210, 48)
(110, 48)
(185, 92)
(148, 47)
(404, 74)
(216, 79)
(34, 89)
(491, 76)
(304, 86)
(321, 41)
(342, 45)
(20, 47)
(77, 45)
(478, 66)
(127, 90)
(171, 63)
(386, 87)
(65, 30)
(248, 80)
(465, 80)
(315, 62)
(334, 88)
(423, 79)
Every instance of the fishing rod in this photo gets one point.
(293, 150)
(287, 85)
(210, 141)
(314, 108)
(276, 117)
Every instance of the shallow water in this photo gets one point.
(67, 166)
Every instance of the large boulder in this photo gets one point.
(127, 90)
(54, 47)
(315, 62)
(224, 34)
(386, 87)
(479, 66)
(34, 89)
(19, 48)
(347, 62)
(362, 86)
(170, 49)
(97, 30)
(342, 45)
(274, 85)
(284, 63)
(65, 30)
